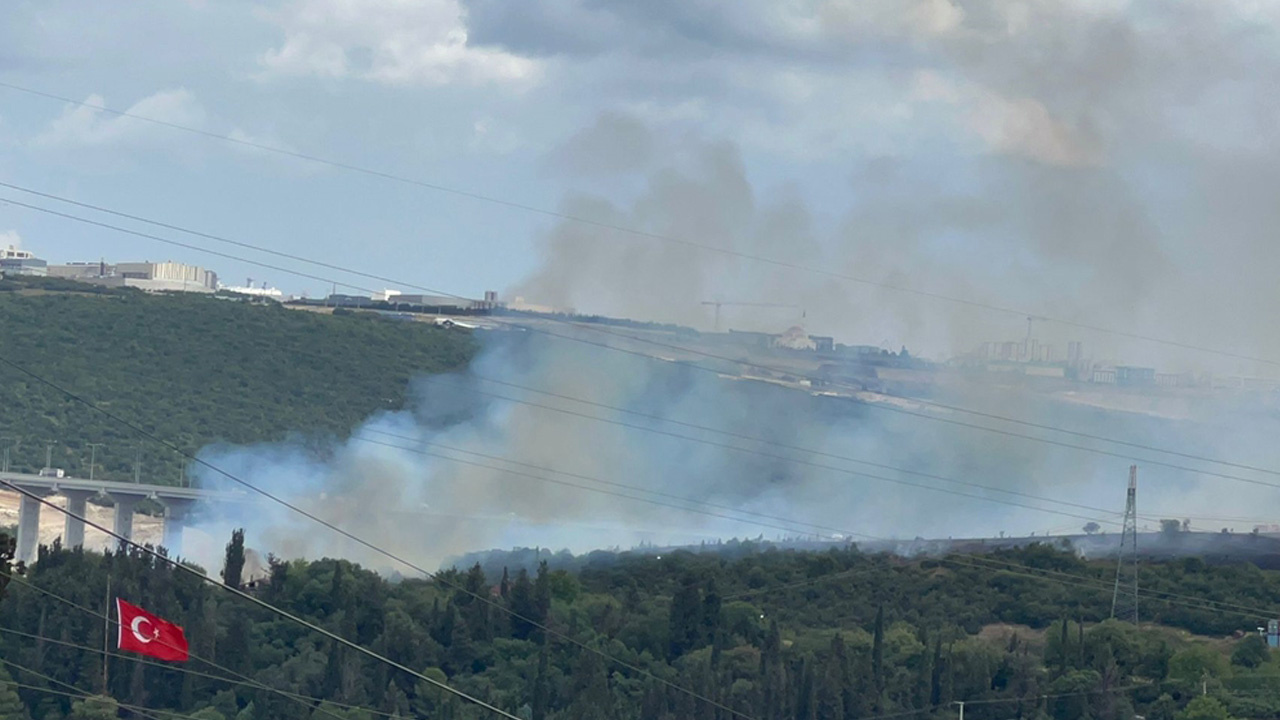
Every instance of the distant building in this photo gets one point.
(1104, 376)
(861, 351)
(14, 261)
(746, 337)
(823, 343)
(264, 291)
(395, 297)
(795, 338)
(521, 305)
(1129, 376)
(147, 276)
(1075, 353)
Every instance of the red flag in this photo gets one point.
(146, 634)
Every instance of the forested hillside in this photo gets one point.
(195, 369)
(769, 634)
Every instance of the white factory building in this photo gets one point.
(148, 276)
(16, 261)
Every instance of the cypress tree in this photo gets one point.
(684, 626)
(541, 688)
(524, 605)
(877, 656)
(233, 567)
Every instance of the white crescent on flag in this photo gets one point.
(136, 627)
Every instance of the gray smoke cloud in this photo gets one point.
(1111, 163)
(427, 483)
(1108, 163)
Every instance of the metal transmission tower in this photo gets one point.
(1124, 600)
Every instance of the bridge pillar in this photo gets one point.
(77, 505)
(176, 511)
(125, 505)
(28, 529)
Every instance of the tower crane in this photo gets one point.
(720, 303)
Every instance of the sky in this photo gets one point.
(1110, 162)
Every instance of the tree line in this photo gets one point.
(761, 633)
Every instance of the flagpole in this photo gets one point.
(106, 636)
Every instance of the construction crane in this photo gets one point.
(720, 303)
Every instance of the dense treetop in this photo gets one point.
(772, 634)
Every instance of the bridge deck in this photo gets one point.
(158, 492)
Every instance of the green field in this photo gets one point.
(193, 370)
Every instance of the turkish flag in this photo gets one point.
(146, 634)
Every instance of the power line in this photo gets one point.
(681, 348)
(242, 678)
(1159, 595)
(306, 700)
(327, 524)
(752, 438)
(350, 536)
(197, 248)
(606, 482)
(568, 217)
(262, 603)
(1075, 580)
(591, 328)
(144, 711)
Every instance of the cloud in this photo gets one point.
(917, 19)
(393, 42)
(85, 126)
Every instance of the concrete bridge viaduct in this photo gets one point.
(177, 502)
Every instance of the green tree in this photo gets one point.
(96, 707)
(524, 607)
(1164, 708)
(541, 688)
(233, 565)
(11, 707)
(1192, 666)
(1250, 652)
(1204, 707)
(207, 714)
(428, 698)
(877, 655)
(684, 619)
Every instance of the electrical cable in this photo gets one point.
(586, 326)
(946, 420)
(311, 703)
(366, 544)
(262, 603)
(242, 678)
(568, 217)
(685, 499)
(144, 711)
(244, 483)
(72, 217)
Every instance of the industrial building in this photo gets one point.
(147, 276)
(14, 261)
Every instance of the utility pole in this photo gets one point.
(106, 635)
(137, 465)
(93, 454)
(1124, 598)
(48, 455)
